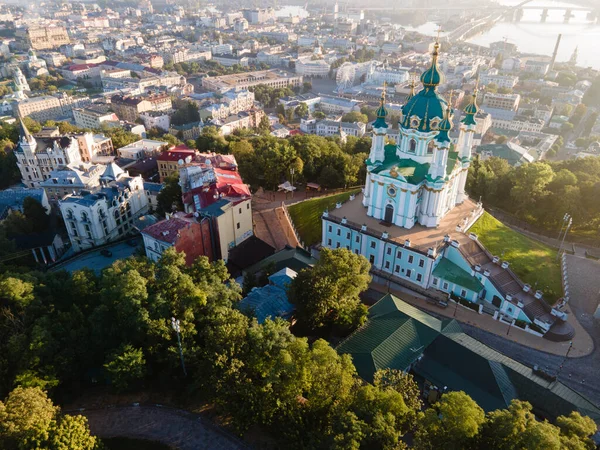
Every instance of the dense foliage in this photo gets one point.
(541, 192)
(67, 332)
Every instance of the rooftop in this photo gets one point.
(168, 230)
(420, 237)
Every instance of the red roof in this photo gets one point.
(167, 230)
(176, 154)
(295, 132)
(229, 185)
(76, 67)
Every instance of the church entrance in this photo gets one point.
(389, 214)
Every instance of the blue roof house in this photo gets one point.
(271, 300)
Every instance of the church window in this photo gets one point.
(412, 146)
(391, 191)
(434, 124)
(430, 148)
(414, 122)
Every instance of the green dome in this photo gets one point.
(433, 77)
(471, 110)
(381, 113)
(445, 126)
(427, 104)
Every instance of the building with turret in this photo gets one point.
(412, 218)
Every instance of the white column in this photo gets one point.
(461, 196)
(400, 214)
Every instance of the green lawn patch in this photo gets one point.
(534, 262)
(306, 215)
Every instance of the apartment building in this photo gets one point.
(243, 81)
(93, 145)
(72, 180)
(129, 108)
(170, 161)
(493, 77)
(41, 38)
(92, 116)
(508, 102)
(317, 68)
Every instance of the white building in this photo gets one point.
(142, 149)
(71, 180)
(37, 158)
(492, 77)
(106, 215)
(312, 68)
(92, 116)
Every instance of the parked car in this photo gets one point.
(106, 252)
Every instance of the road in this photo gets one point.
(96, 261)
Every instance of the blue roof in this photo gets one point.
(152, 187)
(270, 300)
(12, 199)
(215, 209)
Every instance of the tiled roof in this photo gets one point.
(167, 230)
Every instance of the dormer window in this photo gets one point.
(412, 146)
(435, 123)
(414, 122)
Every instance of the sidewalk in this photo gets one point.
(582, 342)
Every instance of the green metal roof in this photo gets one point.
(413, 171)
(449, 271)
(397, 333)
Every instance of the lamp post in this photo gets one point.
(565, 220)
(569, 223)
(177, 328)
(292, 171)
(564, 360)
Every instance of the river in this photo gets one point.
(532, 36)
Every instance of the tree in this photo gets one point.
(187, 112)
(355, 116)
(35, 214)
(577, 431)
(405, 385)
(126, 366)
(501, 139)
(453, 423)
(28, 419)
(264, 126)
(169, 198)
(302, 110)
(492, 88)
(211, 140)
(328, 294)
(306, 86)
(319, 115)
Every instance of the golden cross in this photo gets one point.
(383, 92)
(439, 30)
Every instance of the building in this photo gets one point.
(129, 108)
(182, 231)
(72, 180)
(312, 68)
(187, 131)
(214, 190)
(333, 128)
(518, 123)
(170, 161)
(540, 68)
(511, 152)
(92, 116)
(12, 200)
(249, 119)
(243, 81)
(388, 75)
(412, 219)
(41, 38)
(37, 158)
(493, 77)
(338, 105)
(400, 336)
(270, 301)
(93, 145)
(156, 119)
(508, 102)
(106, 215)
(41, 108)
(144, 148)
(258, 15)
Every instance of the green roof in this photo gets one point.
(396, 334)
(512, 153)
(449, 271)
(413, 171)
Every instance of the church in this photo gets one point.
(411, 219)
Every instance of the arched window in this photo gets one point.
(84, 216)
(70, 214)
(412, 146)
(430, 148)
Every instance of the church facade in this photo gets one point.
(412, 218)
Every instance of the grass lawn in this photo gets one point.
(307, 215)
(532, 261)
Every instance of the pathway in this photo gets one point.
(583, 276)
(180, 429)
